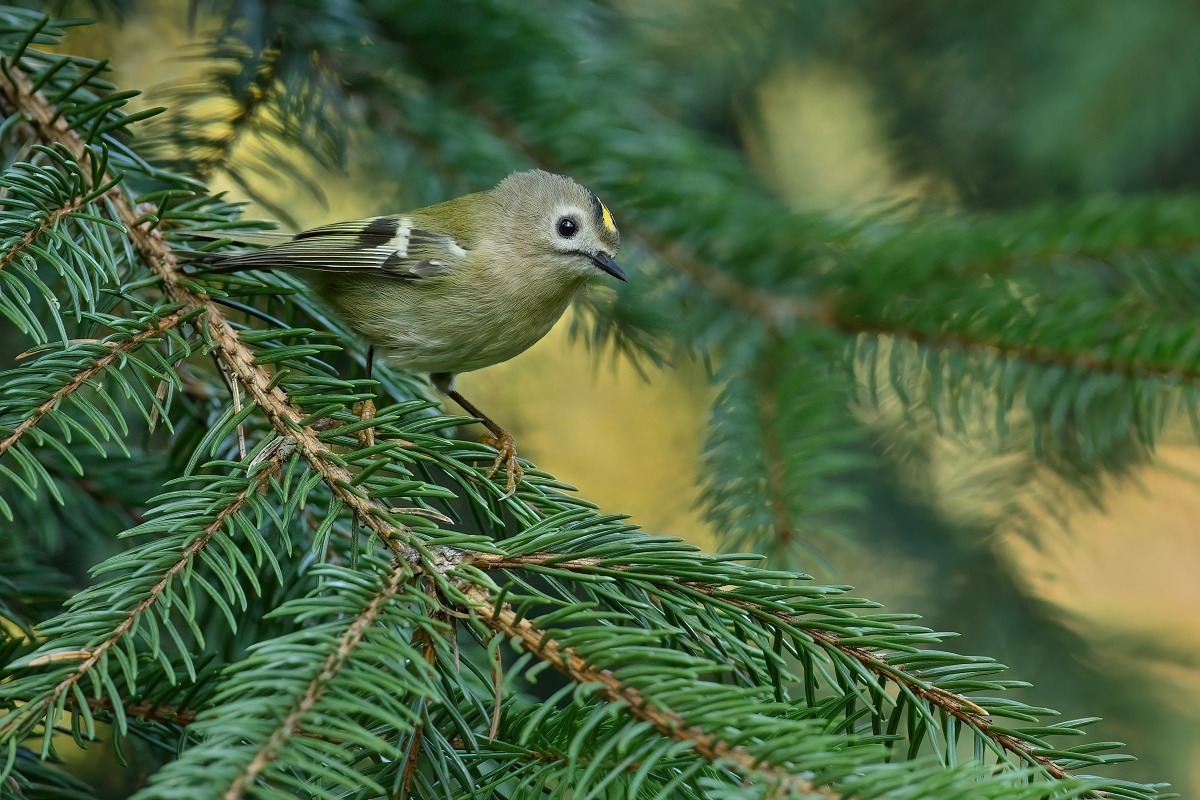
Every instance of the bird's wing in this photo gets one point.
(388, 246)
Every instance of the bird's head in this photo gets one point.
(555, 219)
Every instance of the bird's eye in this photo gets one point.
(567, 227)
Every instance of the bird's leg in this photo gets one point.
(366, 408)
(502, 440)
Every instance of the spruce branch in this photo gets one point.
(317, 703)
(401, 572)
(117, 349)
(955, 705)
(709, 745)
(1091, 362)
(46, 223)
(48, 204)
(235, 357)
(958, 706)
(145, 710)
(776, 469)
(822, 313)
(28, 714)
(278, 109)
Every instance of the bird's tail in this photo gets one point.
(205, 260)
(226, 261)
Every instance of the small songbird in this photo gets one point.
(456, 286)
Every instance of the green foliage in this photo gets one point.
(278, 607)
(766, 402)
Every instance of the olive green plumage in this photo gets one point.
(456, 286)
(460, 285)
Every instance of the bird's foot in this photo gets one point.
(365, 411)
(506, 456)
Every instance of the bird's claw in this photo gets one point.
(365, 411)
(506, 456)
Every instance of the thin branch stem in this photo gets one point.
(772, 451)
(180, 716)
(779, 311)
(237, 358)
(152, 712)
(955, 705)
(41, 227)
(95, 655)
(353, 635)
(1031, 354)
(117, 351)
(668, 723)
(424, 638)
(774, 310)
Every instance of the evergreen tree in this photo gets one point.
(279, 607)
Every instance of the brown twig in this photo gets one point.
(95, 653)
(955, 705)
(776, 470)
(41, 227)
(166, 714)
(181, 716)
(668, 723)
(412, 761)
(779, 311)
(290, 724)
(80, 379)
(236, 357)
(497, 693)
(1033, 354)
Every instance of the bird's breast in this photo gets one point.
(443, 326)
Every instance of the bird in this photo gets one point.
(457, 286)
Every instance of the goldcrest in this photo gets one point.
(460, 285)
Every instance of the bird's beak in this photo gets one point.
(605, 262)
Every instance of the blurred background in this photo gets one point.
(976, 107)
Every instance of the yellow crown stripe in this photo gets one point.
(606, 217)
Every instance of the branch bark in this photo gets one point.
(235, 356)
(290, 725)
(116, 351)
(668, 723)
(958, 706)
(40, 227)
(28, 715)
(772, 448)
